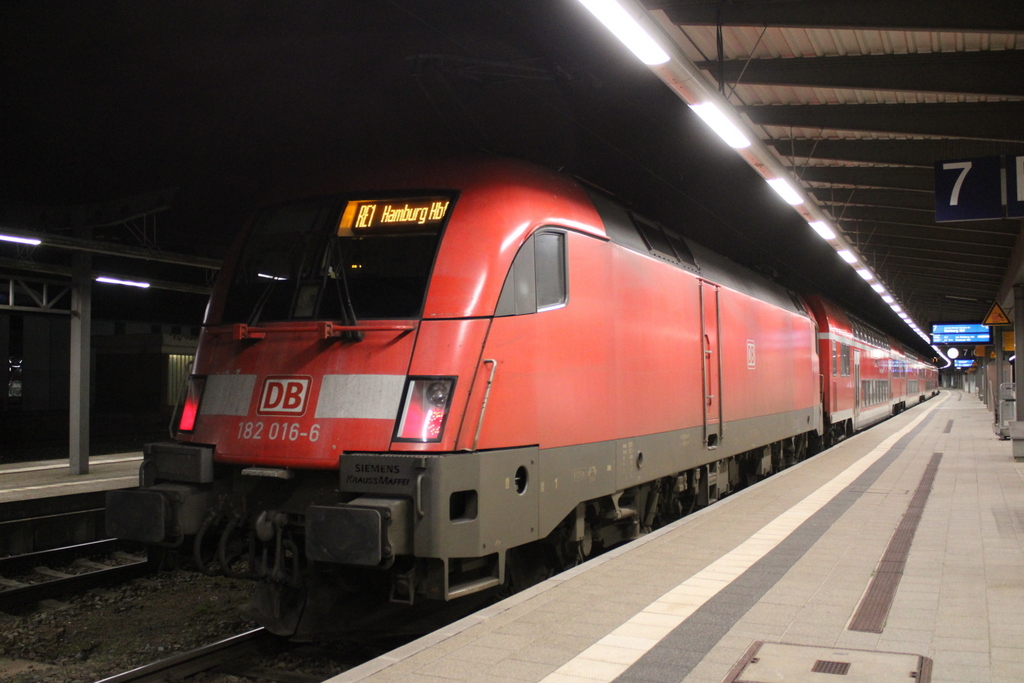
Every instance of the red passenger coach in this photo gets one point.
(867, 375)
(420, 382)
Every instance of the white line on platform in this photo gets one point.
(64, 465)
(608, 658)
(78, 482)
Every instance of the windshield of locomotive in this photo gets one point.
(332, 259)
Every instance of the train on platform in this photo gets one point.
(421, 384)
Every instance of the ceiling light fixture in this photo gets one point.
(878, 287)
(786, 191)
(847, 255)
(625, 28)
(821, 227)
(20, 240)
(865, 273)
(721, 124)
(128, 283)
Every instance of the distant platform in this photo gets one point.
(893, 556)
(51, 478)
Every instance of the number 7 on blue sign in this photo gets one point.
(968, 189)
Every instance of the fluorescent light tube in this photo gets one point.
(847, 255)
(878, 287)
(21, 240)
(821, 227)
(721, 124)
(786, 191)
(865, 273)
(625, 28)
(128, 283)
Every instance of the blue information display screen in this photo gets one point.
(966, 363)
(963, 333)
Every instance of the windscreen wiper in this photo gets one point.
(348, 311)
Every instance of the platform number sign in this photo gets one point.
(1015, 186)
(968, 189)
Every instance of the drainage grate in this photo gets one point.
(823, 666)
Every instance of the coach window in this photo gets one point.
(845, 353)
(835, 358)
(537, 280)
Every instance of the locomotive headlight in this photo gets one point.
(424, 408)
(437, 393)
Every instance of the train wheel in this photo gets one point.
(801, 443)
(527, 565)
(585, 546)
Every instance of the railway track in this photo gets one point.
(29, 578)
(231, 656)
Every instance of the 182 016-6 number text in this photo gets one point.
(277, 431)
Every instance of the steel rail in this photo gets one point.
(194, 661)
(17, 563)
(18, 596)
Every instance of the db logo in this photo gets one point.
(284, 395)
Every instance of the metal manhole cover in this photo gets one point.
(773, 662)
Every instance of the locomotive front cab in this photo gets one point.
(304, 357)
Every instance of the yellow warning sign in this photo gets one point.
(996, 316)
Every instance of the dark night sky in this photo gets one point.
(224, 100)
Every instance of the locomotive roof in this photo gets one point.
(486, 185)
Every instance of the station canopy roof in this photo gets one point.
(161, 125)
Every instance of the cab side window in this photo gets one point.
(549, 251)
(538, 278)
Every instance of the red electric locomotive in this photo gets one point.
(419, 382)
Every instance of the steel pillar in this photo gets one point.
(1017, 428)
(81, 354)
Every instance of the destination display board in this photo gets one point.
(966, 363)
(960, 333)
(402, 215)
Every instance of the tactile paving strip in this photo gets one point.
(874, 606)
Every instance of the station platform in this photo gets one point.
(51, 478)
(894, 555)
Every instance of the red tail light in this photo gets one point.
(425, 408)
(191, 407)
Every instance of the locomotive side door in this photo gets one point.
(856, 386)
(711, 362)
